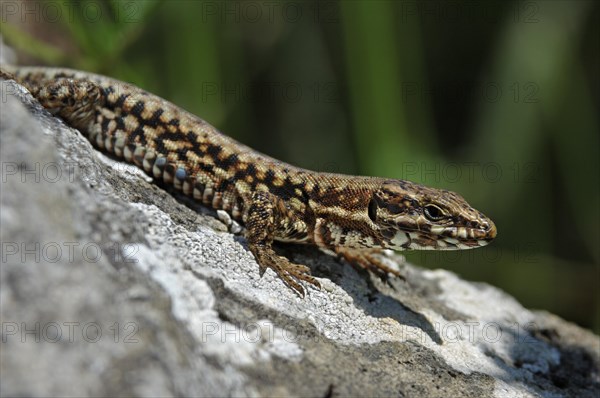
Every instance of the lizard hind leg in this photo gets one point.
(262, 218)
(76, 101)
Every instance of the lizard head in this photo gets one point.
(412, 216)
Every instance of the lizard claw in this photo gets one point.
(290, 273)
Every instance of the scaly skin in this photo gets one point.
(350, 216)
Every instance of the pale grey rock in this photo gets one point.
(7, 54)
(90, 246)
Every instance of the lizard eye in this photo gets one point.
(433, 213)
(373, 210)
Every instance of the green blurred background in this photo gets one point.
(496, 100)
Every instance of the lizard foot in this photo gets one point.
(289, 272)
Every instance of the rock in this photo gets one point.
(111, 285)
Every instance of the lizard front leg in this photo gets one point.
(369, 259)
(264, 215)
(351, 247)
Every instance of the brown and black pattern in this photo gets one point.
(349, 216)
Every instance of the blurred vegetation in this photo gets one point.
(496, 100)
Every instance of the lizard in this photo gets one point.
(352, 217)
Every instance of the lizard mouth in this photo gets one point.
(445, 238)
(466, 238)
